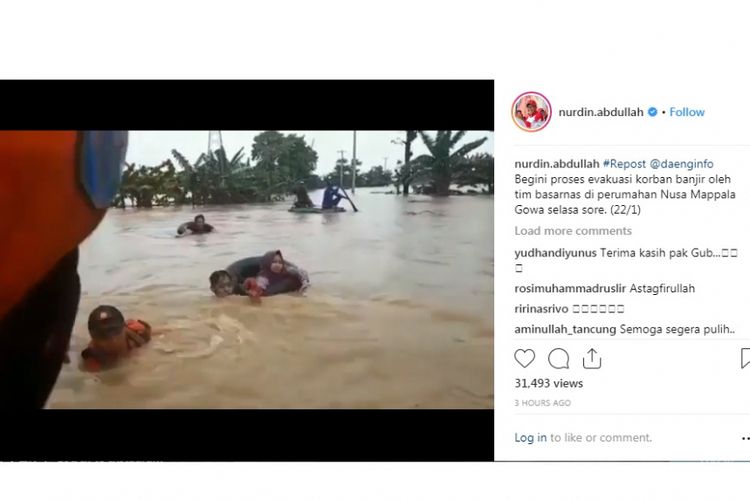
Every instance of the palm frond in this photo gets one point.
(429, 142)
(443, 140)
(457, 137)
(466, 148)
(238, 156)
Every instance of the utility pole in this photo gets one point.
(354, 162)
(385, 163)
(341, 167)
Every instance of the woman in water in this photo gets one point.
(276, 276)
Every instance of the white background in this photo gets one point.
(372, 481)
(572, 51)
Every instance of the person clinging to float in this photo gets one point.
(276, 276)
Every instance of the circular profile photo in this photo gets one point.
(531, 111)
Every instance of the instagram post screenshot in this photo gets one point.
(429, 250)
(622, 325)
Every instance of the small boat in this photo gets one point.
(317, 210)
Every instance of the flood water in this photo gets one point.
(399, 314)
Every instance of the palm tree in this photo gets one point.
(477, 170)
(442, 165)
(169, 189)
(411, 135)
(213, 178)
(403, 174)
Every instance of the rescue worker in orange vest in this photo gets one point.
(57, 185)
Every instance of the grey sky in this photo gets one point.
(152, 147)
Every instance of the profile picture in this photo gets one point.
(531, 111)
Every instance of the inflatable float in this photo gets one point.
(317, 210)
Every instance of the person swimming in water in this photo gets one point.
(198, 226)
(112, 338)
(234, 279)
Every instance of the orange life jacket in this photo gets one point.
(44, 212)
(137, 334)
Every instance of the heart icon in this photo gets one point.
(525, 357)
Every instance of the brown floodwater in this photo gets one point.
(399, 314)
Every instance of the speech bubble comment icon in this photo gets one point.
(744, 357)
(559, 359)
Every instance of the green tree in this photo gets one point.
(144, 185)
(215, 178)
(126, 187)
(477, 170)
(298, 158)
(314, 182)
(188, 177)
(167, 187)
(404, 174)
(375, 177)
(148, 186)
(443, 163)
(347, 178)
(266, 151)
(282, 161)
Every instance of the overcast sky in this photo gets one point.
(152, 147)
